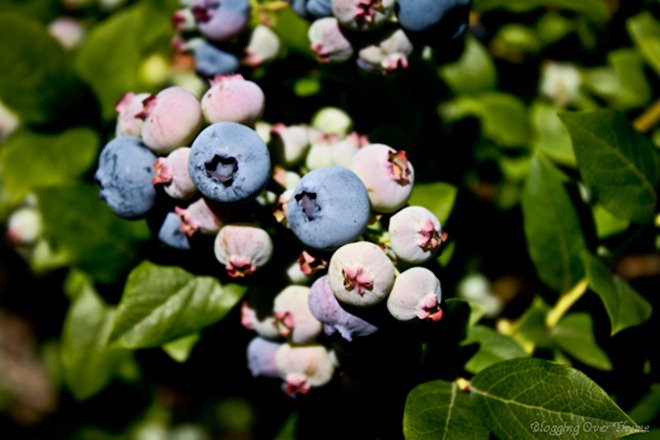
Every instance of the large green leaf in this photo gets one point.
(648, 407)
(533, 398)
(84, 228)
(161, 304)
(87, 364)
(440, 410)
(110, 57)
(625, 307)
(494, 347)
(437, 197)
(550, 136)
(552, 226)
(644, 29)
(36, 79)
(473, 72)
(575, 335)
(617, 163)
(31, 160)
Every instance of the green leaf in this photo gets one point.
(109, 59)
(87, 364)
(617, 163)
(596, 10)
(474, 72)
(31, 160)
(180, 349)
(575, 335)
(623, 85)
(83, 227)
(644, 30)
(625, 307)
(437, 197)
(440, 410)
(606, 223)
(552, 226)
(35, 75)
(494, 347)
(533, 398)
(161, 304)
(550, 135)
(648, 407)
(531, 328)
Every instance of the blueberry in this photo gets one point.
(328, 208)
(242, 249)
(434, 21)
(172, 118)
(124, 177)
(415, 234)
(172, 172)
(24, 226)
(360, 274)
(293, 317)
(328, 41)
(303, 367)
(211, 61)
(233, 98)
(311, 9)
(203, 216)
(172, 234)
(416, 294)
(387, 54)
(362, 15)
(220, 21)
(128, 110)
(229, 163)
(335, 318)
(261, 357)
(263, 46)
(264, 327)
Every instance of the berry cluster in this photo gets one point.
(381, 34)
(339, 201)
(220, 38)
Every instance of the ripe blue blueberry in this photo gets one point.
(328, 208)
(229, 163)
(171, 233)
(211, 61)
(124, 177)
(431, 19)
(221, 20)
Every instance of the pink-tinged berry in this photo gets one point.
(320, 150)
(242, 249)
(415, 234)
(386, 55)
(220, 21)
(304, 367)
(261, 357)
(24, 226)
(328, 42)
(335, 318)
(129, 111)
(416, 295)
(172, 173)
(263, 47)
(387, 174)
(360, 274)
(9, 122)
(344, 150)
(172, 119)
(233, 98)
(202, 216)
(362, 15)
(264, 326)
(290, 143)
(293, 318)
(310, 263)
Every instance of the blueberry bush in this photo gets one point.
(311, 219)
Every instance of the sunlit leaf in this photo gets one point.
(494, 347)
(530, 398)
(161, 304)
(437, 197)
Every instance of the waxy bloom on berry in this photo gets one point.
(415, 234)
(416, 295)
